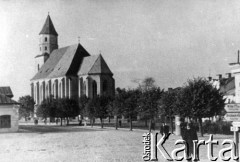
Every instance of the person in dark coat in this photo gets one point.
(162, 129)
(189, 133)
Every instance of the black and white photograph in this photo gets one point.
(119, 80)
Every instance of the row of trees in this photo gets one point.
(58, 108)
(197, 99)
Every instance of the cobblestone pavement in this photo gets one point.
(82, 144)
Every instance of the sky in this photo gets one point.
(169, 40)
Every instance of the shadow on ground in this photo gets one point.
(53, 129)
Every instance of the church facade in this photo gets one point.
(68, 72)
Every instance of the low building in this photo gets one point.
(8, 111)
(226, 86)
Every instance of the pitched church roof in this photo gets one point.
(63, 61)
(94, 65)
(227, 86)
(48, 27)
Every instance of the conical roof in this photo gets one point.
(48, 27)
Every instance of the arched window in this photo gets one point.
(45, 39)
(5, 121)
(45, 48)
(94, 88)
(105, 86)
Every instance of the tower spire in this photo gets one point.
(48, 27)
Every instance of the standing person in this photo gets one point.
(189, 133)
(162, 129)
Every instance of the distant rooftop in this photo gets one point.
(6, 91)
(6, 95)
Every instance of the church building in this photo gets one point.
(68, 72)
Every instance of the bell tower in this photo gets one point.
(48, 41)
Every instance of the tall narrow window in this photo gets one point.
(105, 86)
(45, 48)
(94, 89)
(45, 39)
(38, 67)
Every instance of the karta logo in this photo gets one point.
(151, 147)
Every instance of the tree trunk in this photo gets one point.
(61, 121)
(150, 126)
(67, 121)
(171, 123)
(146, 123)
(200, 126)
(130, 122)
(101, 122)
(91, 122)
(116, 123)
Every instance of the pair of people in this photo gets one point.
(189, 133)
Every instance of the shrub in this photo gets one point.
(220, 127)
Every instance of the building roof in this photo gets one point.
(94, 65)
(63, 61)
(48, 27)
(6, 91)
(6, 100)
(227, 86)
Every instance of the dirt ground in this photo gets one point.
(82, 144)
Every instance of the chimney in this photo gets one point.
(229, 75)
(209, 78)
(219, 76)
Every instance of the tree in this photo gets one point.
(148, 104)
(116, 105)
(67, 108)
(145, 84)
(44, 109)
(148, 84)
(27, 106)
(83, 100)
(130, 104)
(101, 107)
(199, 99)
(167, 106)
(89, 109)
